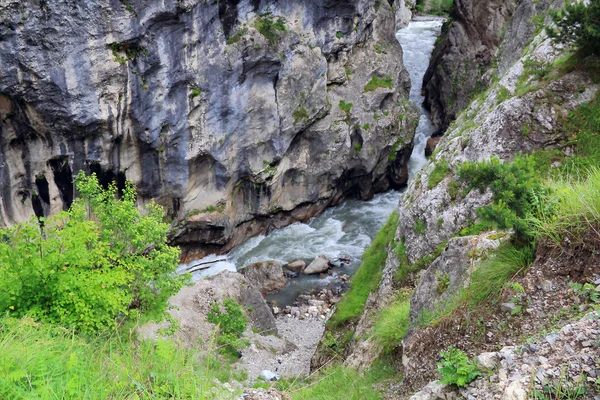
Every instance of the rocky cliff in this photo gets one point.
(480, 38)
(238, 116)
(531, 95)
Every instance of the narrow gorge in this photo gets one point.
(276, 200)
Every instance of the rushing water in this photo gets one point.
(347, 229)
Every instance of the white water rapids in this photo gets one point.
(347, 229)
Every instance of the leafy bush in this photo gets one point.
(517, 188)
(346, 107)
(232, 324)
(578, 23)
(88, 268)
(456, 368)
(269, 28)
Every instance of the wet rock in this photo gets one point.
(432, 143)
(319, 264)
(266, 276)
(290, 274)
(296, 265)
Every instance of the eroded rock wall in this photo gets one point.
(238, 116)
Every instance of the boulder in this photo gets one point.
(266, 276)
(193, 303)
(432, 143)
(319, 264)
(296, 265)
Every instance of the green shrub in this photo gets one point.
(367, 277)
(440, 170)
(517, 188)
(236, 37)
(578, 23)
(378, 82)
(456, 368)
(88, 268)
(232, 324)
(269, 28)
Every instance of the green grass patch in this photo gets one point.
(341, 383)
(236, 37)
(300, 115)
(576, 207)
(392, 323)
(378, 82)
(345, 107)
(440, 170)
(45, 362)
(367, 277)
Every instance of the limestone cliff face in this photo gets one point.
(466, 48)
(519, 113)
(237, 116)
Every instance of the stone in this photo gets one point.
(551, 339)
(269, 375)
(515, 391)
(296, 265)
(507, 307)
(290, 274)
(432, 143)
(547, 286)
(266, 276)
(317, 266)
(487, 360)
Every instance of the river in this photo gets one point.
(344, 230)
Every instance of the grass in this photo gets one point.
(494, 272)
(346, 107)
(378, 82)
(236, 37)
(340, 383)
(440, 170)
(367, 277)
(45, 362)
(392, 323)
(577, 207)
(300, 115)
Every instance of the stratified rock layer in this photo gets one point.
(238, 116)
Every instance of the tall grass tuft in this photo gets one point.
(577, 208)
(392, 324)
(45, 362)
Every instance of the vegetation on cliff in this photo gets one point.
(92, 267)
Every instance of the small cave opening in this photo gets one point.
(63, 178)
(36, 203)
(106, 177)
(43, 188)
